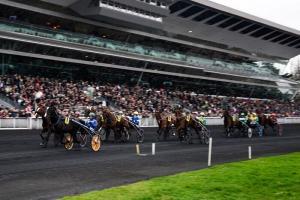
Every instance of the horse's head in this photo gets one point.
(226, 113)
(157, 115)
(273, 119)
(51, 114)
(40, 111)
(262, 119)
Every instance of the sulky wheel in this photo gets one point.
(96, 142)
(69, 143)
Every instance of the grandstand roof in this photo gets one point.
(212, 24)
(199, 23)
(246, 16)
(210, 21)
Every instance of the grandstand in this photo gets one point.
(142, 55)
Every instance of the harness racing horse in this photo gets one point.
(234, 127)
(184, 123)
(118, 124)
(270, 121)
(229, 123)
(64, 127)
(165, 122)
(46, 127)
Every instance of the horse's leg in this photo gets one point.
(107, 133)
(115, 135)
(122, 134)
(158, 133)
(42, 137)
(57, 139)
(199, 133)
(47, 137)
(188, 135)
(126, 133)
(165, 132)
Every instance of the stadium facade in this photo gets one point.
(183, 43)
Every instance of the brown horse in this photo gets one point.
(118, 124)
(165, 122)
(270, 121)
(184, 122)
(230, 123)
(233, 126)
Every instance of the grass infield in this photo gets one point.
(264, 178)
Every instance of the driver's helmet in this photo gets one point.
(92, 115)
(202, 114)
(135, 113)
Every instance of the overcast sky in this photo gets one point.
(285, 12)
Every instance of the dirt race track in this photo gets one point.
(30, 172)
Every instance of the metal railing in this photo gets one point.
(36, 123)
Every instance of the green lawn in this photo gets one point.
(265, 178)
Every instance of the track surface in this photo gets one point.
(30, 172)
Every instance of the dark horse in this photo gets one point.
(47, 127)
(64, 127)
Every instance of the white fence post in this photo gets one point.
(137, 146)
(249, 152)
(153, 149)
(209, 152)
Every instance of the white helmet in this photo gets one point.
(92, 115)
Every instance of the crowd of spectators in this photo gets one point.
(73, 96)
